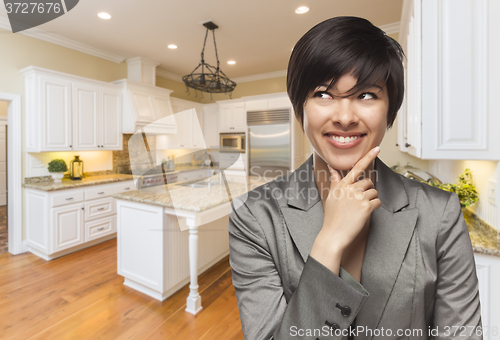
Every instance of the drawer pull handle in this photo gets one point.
(101, 228)
(127, 188)
(100, 193)
(69, 198)
(101, 208)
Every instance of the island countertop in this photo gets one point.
(50, 185)
(484, 238)
(180, 196)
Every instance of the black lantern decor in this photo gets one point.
(209, 79)
(76, 168)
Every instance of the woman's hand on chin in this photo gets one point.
(347, 208)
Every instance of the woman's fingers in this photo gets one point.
(361, 165)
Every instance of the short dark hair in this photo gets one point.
(338, 46)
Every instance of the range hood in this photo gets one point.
(146, 106)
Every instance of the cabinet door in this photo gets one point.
(86, 117)
(111, 122)
(185, 126)
(225, 118)
(211, 125)
(67, 227)
(197, 132)
(173, 140)
(55, 114)
(239, 118)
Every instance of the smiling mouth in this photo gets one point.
(341, 139)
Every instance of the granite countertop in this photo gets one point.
(485, 239)
(191, 198)
(50, 185)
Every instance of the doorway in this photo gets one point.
(4, 230)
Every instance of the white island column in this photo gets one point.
(193, 302)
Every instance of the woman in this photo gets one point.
(343, 247)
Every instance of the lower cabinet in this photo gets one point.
(64, 221)
(68, 226)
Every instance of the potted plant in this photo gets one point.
(57, 168)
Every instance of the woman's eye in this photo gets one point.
(367, 96)
(322, 95)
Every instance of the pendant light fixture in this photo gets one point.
(205, 77)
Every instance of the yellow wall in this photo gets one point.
(3, 108)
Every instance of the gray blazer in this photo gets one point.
(418, 274)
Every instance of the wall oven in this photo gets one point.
(233, 140)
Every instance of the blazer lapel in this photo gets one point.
(303, 216)
(391, 229)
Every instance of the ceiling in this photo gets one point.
(257, 34)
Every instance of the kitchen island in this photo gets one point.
(169, 234)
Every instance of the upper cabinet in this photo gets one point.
(65, 112)
(232, 117)
(146, 107)
(452, 78)
(96, 118)
(189, 122)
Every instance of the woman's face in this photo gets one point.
(328, 118)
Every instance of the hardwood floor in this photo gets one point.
(80, 296)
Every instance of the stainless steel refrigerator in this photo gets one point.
(269, 143)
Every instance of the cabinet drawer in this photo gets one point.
(91, 194)
(181, 177)
(228, 156)
(125, 186)
(99, 208)
(67, 198)
(99, 228)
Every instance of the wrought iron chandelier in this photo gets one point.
(209, 79)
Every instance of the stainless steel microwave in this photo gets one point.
(233, 140)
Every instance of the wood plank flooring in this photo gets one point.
(80, 296)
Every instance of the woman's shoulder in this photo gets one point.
(427, 196)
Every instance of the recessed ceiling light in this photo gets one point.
(302, 10)
(104, 15)
(231, 62)
(172, 46)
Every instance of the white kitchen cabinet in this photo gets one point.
(111, 120)
(280, 102)
(52, 105)
(450, 107)
(67, 224)
(85, 117)
(96, 118)
(488, 275)
(232, 117)
(66, 112)
(211, 124)
(189, 119)
(64, 221)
